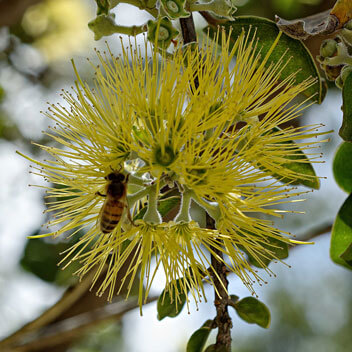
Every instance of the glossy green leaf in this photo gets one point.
(342, 166)
(279, 250)
(341, 237)
(234, 298)
(301, 62)
(300, 164)
(103, 6)
(164, 206)
(253, 311)
(345, 131)
(167, 307)
(347, 255)
(199, 338)
(40, 257)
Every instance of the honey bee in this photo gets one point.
(115, 201)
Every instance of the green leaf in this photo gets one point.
(211, 348)
(170, 308)
(253, 311)
(2, 94)
(103, 6)
(164, 206)
(345, 131)
(347, 255)
(300, 165)
(40, 257)
(199, 338)
(278, 248)
(342, 166)
(341, 237)
(234, 298)
(301, 61)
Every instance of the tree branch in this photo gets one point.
(11, 11)
(188, 30)
(222, 319)
(315, 232)
(221, 301)
(69, 329)
(212, 20)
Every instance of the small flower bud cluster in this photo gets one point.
(336, 56)
(160, 30)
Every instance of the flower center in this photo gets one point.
(163, 33)
(165, 157)
(172, 6)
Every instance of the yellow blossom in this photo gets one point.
(147, 118)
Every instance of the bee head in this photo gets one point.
(115, 176)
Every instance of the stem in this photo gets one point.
(223, 320)
(206, 6)
(188, 30)
(212, 208)
(152, 215)
(221, 301)
(211, 20)
(133, 198)
(139, 181)
(189, 35)
(183, 214)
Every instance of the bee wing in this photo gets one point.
(126, 219)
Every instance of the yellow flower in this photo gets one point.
(147, 118)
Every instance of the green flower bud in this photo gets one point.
(103, 25)
(224, 8)
(338, 82)
(346, 70)
(175, 8)
(103, 7)
(346, 34)
(161, 32)
(328, 48)
(348, 25)
(164, 157)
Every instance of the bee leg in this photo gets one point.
(129, 216)
(100, 194)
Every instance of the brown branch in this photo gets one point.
(69, 329)
(315, 232)
(222, 319)
(11, 11)
(212, 20)
(70, 297)
(221, 301)
(76, 301)
(218, 270)
(189, 35)
(188, 30)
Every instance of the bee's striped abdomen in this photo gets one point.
(111, 214)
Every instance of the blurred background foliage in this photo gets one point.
(311, 304)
